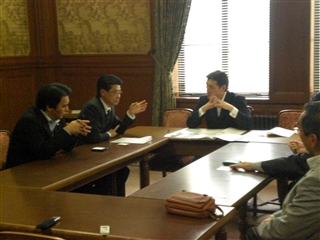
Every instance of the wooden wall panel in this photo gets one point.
(16, 96)
(290, 51)
(137, 86)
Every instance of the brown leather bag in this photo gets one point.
(193, 205)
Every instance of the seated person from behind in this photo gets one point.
(300, 214)
(106, 124)
(221, 108)
(41, 131)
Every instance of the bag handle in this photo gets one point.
(213, 215)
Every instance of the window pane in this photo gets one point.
(202, 43)
(246, 43)
(248, 34)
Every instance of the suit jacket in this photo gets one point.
(293, 167)
(32, 139)
(101, 122)
(300, 214)
(242, 121)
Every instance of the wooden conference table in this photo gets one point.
(208, 176)
(67, 171)
(228, 187)
(200, 147)
(83, 214)
(24, 193)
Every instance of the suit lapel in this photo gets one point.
(44, 122)
(224, 112)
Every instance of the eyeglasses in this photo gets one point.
(119, 92)
(296, 129)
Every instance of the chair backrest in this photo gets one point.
(4, 145)
(287, 118)
(176, 117)
(250, 110)
(9, 235)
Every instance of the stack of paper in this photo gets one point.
(127, 140)
(279, 131)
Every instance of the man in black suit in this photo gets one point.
(105, 125)
(41, 131)
(221, 108)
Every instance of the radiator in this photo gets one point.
(264, 122)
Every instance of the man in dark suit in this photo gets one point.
(106, 124)
(41, 131)
(221, 108)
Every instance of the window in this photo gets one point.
(222, 35)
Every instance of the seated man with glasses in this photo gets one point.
(106, 124)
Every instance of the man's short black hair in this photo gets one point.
(311, 119)
(51, 94)
(106, 81)
(220, 77)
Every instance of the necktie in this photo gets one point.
(52, 125)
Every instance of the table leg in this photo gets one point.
(113, 190)
(144, 171)
(282, 186)
(242, 210)
(221, 235)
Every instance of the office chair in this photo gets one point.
(173, 117)
(10, 235)
(176, 117)
(4, 145)
(250, 110)
(288, 118)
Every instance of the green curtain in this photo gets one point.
(170, 24)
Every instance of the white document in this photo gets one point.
(279, 131)
(141, 140)
(228, 134)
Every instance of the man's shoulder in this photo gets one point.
(30, 118)
(235, 95)
(93, 102)
(203, 98)
(31, 113)
(231, 96)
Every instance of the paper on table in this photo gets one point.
(141, 140)
(228, 134)
(279, 131)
